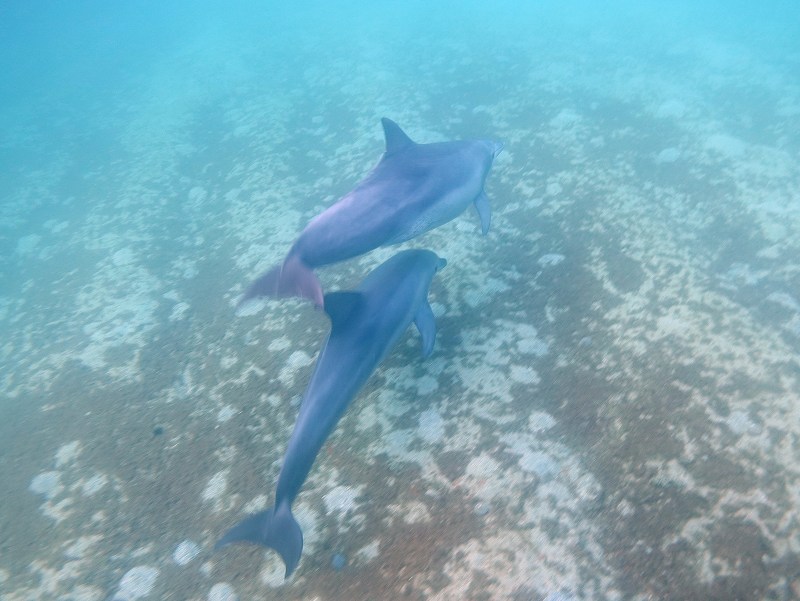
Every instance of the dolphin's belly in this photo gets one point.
(353, 226)
(385, 210)
(438, 209)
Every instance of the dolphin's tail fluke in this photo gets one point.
(275, 528)
(291, 278)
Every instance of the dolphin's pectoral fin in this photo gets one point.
(484, 211)
(396, 138)
(275, 528)
(426, 324)
(341, 305)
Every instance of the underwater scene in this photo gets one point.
(558, 295)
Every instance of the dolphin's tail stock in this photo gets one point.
(291, 278)
(275, 528)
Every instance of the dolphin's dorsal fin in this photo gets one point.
(396, 138)
(340, 306)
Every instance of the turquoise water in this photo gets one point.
(611, 408)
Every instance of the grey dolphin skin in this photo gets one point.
(413, 188)
(365, 325)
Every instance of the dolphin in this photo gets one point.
(413, 188)
(365, 324)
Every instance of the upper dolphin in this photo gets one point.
(413, 188)
(365, 325)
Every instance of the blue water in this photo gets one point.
(610, 411)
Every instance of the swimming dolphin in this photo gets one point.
(365, 325)
(413, 188)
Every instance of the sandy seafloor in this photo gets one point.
(612, 409)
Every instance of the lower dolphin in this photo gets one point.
(365, 324)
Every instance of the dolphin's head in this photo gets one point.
(433, 262)
(431, 259)
(488, 151)
(491, 148)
